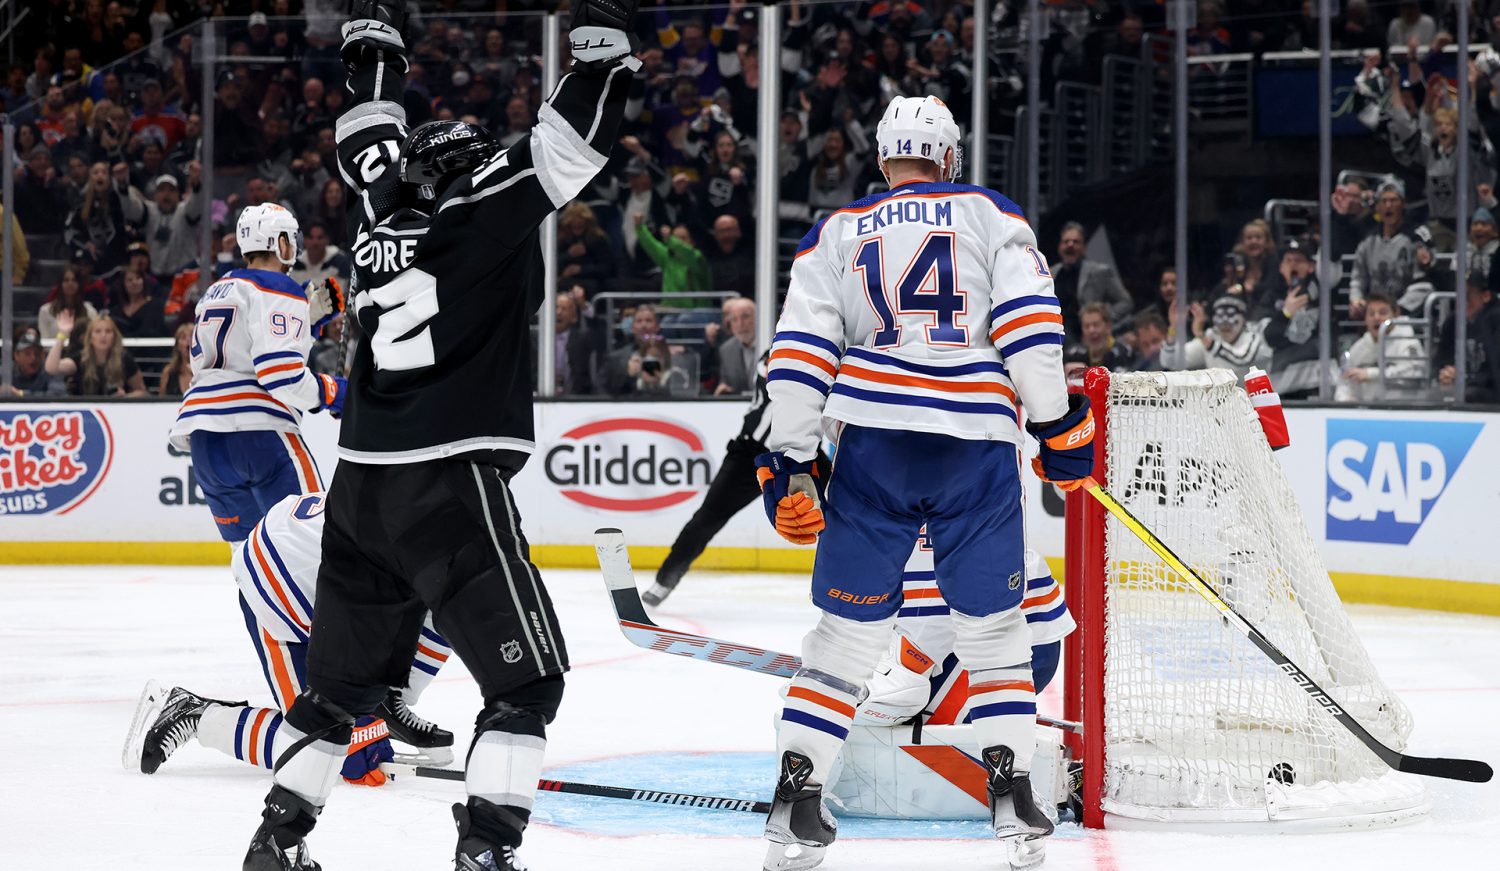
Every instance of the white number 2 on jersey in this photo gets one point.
(408, 301)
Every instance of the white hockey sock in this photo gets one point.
(432, 652)
(312, 771)
(1002, 709)
(504, 767)
(815, 721)
(248, 734)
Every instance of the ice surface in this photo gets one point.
(77, 643)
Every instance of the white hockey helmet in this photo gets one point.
(921, 128)
(260, 226)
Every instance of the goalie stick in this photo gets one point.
(642, 631)
(679, 799)
(1470, 770)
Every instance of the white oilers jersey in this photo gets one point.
(276, 569)
(277, 566)
(249, 357)
(926, 307)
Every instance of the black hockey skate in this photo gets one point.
(163, 722)
(487, 837)
(278, 844)
(799, 827)
(666, 582)
(1014, 813)
(434, 745)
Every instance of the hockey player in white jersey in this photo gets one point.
(276, 570)
(916, 322)
(921, 676)
(241, 416)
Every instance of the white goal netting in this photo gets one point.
(1199, 724)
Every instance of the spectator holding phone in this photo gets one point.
(1291, 329)
(654, 373)
(1386, 261)
(620, 372)
(1251, 263)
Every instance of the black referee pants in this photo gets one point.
(732, 489)
(444, 536)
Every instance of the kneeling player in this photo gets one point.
(276, 569)
(905, 756)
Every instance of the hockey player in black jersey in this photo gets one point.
(437, 420)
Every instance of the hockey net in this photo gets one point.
(1184, 719)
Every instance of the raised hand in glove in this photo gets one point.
(1067, 454)
(600, 32)
(374, 25)
(325, 301)
(793, 496)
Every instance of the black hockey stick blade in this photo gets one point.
(679, 799)
(642, 631)
(1471, 770)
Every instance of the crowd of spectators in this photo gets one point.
(1395, 231)
(655, 259)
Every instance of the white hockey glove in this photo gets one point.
(899, 689)
(600, 32)
(325, 301)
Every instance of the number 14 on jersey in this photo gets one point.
(928, 289)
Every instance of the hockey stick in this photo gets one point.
(1470, 770)
(682, 799)
(642, 631)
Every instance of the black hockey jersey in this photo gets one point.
(445, 291)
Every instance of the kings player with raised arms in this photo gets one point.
(448, 265)
(917, 322)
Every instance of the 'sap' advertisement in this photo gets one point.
(1386, 476)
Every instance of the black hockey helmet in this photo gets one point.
(438, 150)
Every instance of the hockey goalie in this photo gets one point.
(908, 753)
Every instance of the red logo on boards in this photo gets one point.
(629, 464)
(51, 461)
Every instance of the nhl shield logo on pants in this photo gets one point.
(510, 651)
